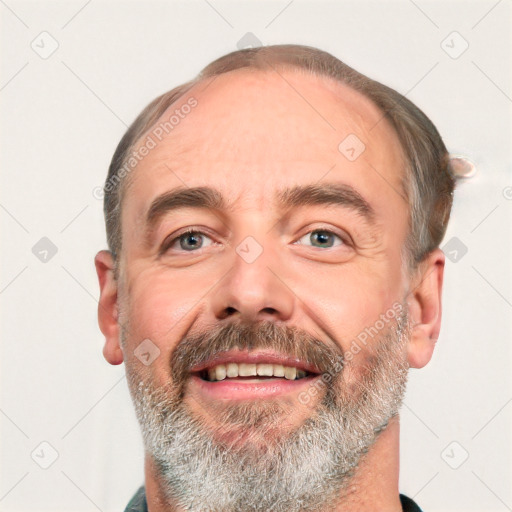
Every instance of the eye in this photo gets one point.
(188, 241)
(321, 238)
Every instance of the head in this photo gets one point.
(279, 203)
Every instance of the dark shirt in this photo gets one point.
(138, 503)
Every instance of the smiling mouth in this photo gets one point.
(231, 382)
(252, 372)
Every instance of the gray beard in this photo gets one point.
(267, 467)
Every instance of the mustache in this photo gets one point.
(291, 341)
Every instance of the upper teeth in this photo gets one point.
(221, 371)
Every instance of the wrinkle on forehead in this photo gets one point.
(247, 119)
(241, 101)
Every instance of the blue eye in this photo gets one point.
(193, 240)
(321, 238)
(190, 241)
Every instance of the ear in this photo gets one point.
(108, 308)
(424, 300)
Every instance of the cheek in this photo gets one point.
(357, 371)
(161, 308)
(155, 308)
(347, 300)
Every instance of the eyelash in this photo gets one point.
(344, 239)
(168, 244)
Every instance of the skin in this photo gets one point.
(250, 135)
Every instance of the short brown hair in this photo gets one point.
(428, 181)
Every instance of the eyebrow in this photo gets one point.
(338, 194)
(194, 197)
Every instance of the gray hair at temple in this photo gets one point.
(427, 182)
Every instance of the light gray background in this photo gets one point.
(62, 118)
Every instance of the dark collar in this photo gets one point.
(138, 503)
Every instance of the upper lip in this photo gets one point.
(237, 356)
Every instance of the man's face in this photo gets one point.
(268, 272)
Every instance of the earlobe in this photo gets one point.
(108, 307)
(424, 301)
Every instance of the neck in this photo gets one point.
(374, 485)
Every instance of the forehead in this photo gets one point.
(252, 132)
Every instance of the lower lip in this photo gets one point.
(245, 390)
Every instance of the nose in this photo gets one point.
(254, 290)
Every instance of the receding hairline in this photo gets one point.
(336, 87)
(426, 176)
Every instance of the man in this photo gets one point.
(274, 271)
